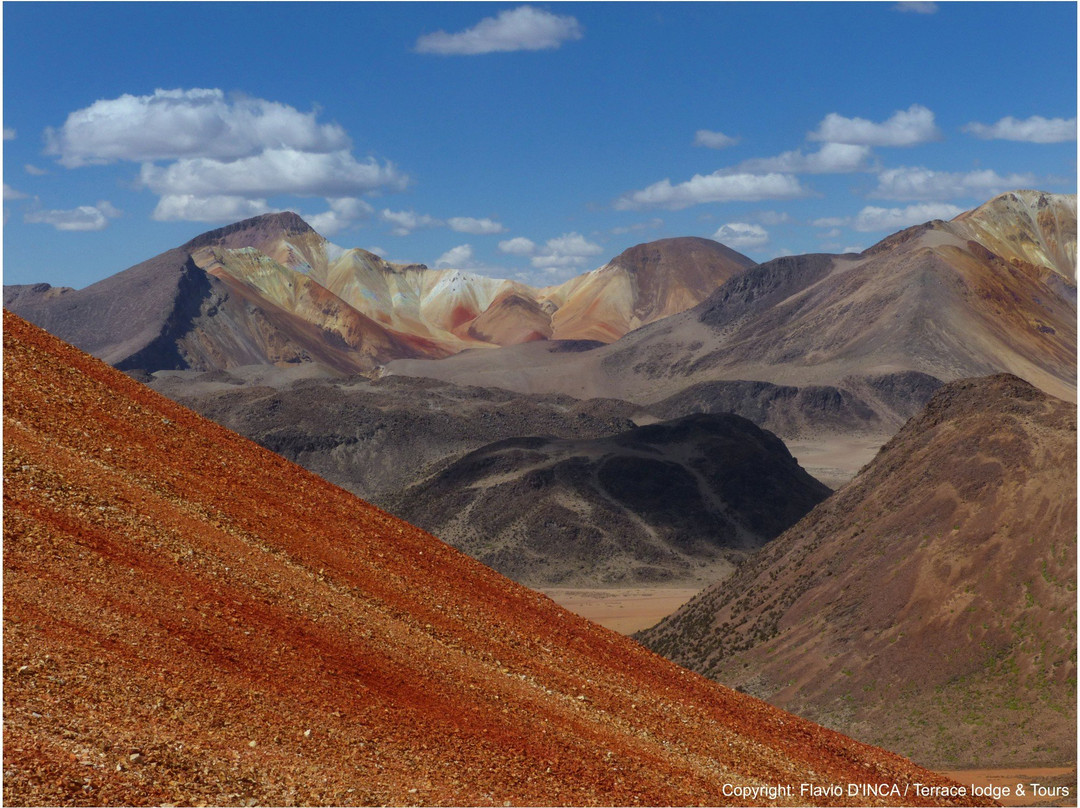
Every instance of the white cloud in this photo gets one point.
(831, 158)
(908, 127)
(522, 28)
(871, 219)
(344, 212)
(274, 171)
(175, 124)
(460, 257)
(477, 227)
(10, 193)
(741, 235)
(568, 250)
(212, 157)
(907, 183)
(831, 221)
(713, 140)
(916, 7)
(109, 209)
(85, 218)
(213, 208)
(1035, 129)
(9, 134)
(405, 221)
(517, 246)
(34, 170)
(715, 187)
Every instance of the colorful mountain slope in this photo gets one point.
(930, 605)
(273, 291)
(189, 618)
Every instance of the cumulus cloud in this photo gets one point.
(716, 187)
(344, 212)
(174, 124)
(85, 218)
(34, 170)
(405, 221)
(907, 183)
(9, 134)
(274, 171)
(741, 235)
(831, 158)
(568, 250)
(517, 246)
(11, 193)
(522, 28)
(871, 219)
(460, 257)
(1035, 129)
(477, 227)
(713, 140)
(916, 7)
(908, 127)
(213, 157)
(831, 221)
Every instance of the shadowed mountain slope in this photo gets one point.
(679, 501)
(188, 617)
(930, 605)
(172, 312)
(376, 437)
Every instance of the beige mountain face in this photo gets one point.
(456, 310)
(930, 605)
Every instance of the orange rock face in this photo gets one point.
(189, 618)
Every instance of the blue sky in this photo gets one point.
(532, 141)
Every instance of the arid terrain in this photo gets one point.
(190, 618)
(677, 501)
(928, 606)
(654, 436)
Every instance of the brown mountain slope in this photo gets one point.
(642, 285)
(190, 618)
(930, 605)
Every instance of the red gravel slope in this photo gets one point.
(189, 618)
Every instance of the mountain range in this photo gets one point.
(190, 618)
(930, 605)
(270, 290)
(870, 334)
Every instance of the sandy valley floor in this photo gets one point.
(622, 610)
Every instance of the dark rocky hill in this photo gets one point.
(679, 501)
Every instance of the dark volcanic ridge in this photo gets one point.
(930, 605)
(679, 501)
(190, 618)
